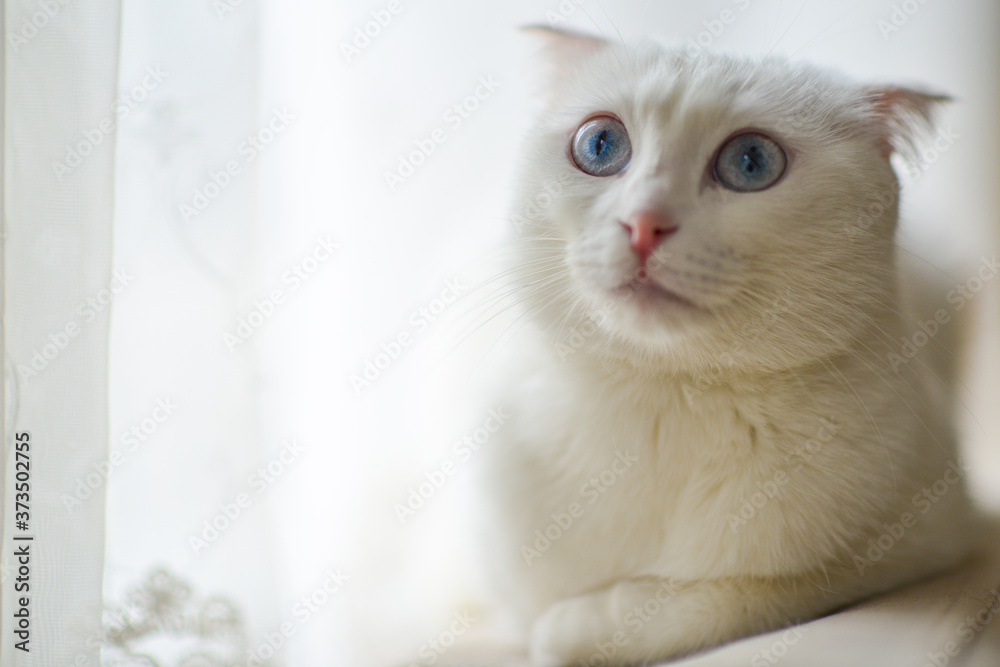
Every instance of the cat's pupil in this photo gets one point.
(749, 162)
(600, 141)
(601, 147)
(752, 159)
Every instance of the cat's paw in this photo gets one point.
(570, 632)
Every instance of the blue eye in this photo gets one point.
(749, 162)
(601, 147)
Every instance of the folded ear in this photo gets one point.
(564, 48)
(904, 117)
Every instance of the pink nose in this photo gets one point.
(646, 230)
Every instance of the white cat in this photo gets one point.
(709, 435)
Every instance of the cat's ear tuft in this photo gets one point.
(565, 49)
(905, 117)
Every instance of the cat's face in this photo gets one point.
(709, 210)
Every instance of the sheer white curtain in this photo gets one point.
(190, 499)
(59, 83)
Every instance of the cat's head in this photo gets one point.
(690, 211)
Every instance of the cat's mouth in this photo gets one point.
(647, 292)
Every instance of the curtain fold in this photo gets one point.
(59, 81)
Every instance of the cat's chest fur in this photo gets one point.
(602, 474)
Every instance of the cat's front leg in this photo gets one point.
(641, 620)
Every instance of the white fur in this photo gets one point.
(777, 381)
